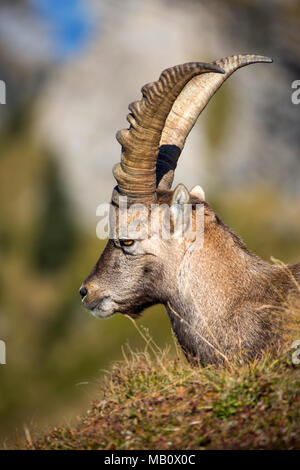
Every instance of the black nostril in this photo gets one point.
(83, 291)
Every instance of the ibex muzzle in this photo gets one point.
(220, 297)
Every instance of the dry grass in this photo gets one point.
(152, 401)
(145, 406)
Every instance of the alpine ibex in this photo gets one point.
(221, 298)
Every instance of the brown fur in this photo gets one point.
(222, 299)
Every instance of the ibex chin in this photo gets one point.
(220, 298)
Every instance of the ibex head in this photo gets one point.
(136, 272)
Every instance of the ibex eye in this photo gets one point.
(126, 242)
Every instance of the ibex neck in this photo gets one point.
(214, 303)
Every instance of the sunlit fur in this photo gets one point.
(221, 299)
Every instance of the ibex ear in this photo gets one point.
(179, 199)
(198, 192)
(180, 195)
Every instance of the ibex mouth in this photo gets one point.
(101, 308)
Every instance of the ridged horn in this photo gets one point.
(136, 174)
(187, 108)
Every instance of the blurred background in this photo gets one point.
(71, 68)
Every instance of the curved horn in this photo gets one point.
(186, 109)
(136, 174)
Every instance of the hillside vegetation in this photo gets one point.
(153, 401)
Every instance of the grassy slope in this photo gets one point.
(163, 403)
(151, 400)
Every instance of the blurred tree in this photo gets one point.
(56, 231)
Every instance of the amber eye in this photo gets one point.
(126, 242)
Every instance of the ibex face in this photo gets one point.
(217, 293)
(139, 270)
(122, 281)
